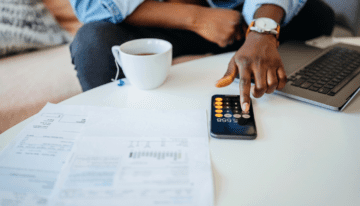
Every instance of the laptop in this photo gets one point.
(329, 78)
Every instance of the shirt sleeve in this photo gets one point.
(291, 8)
(114, 11)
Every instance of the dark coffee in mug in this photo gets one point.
(145, 54)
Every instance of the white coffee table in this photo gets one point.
(303, 155)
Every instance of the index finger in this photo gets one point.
(245, 84)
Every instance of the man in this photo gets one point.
(199, 27)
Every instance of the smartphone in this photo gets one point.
(228, 121)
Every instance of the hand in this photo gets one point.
(220, 26)
(258, 58)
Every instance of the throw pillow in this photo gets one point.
(27, 25)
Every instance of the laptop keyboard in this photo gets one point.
(330, 73)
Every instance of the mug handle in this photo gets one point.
(116, 52)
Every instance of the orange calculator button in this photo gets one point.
(218, 111)
(218, 103)
(218, 115)
(218, 107)
(218, 99)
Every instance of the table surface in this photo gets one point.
(303, 155)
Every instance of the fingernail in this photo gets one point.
(221, 82)
(217, 83)
(245, 107)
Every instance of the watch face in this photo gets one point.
(265, 24)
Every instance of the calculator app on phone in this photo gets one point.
(228, 121)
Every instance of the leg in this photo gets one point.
(91, 49)
(91, 54)
(315, 19)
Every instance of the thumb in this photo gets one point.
(229, 76)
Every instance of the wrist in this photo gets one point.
(262, 37)
(194, 21)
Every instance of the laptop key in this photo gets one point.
(340, 76)
(353, 66)
(291, 79)
(329, 86)
(317, 85)
(315, 78)
(321, 82)
(306, 85)
(312, 88)
(307, 76)
(336, 80)
(323, 90)
(301, 72)
(329, 76)
(311, 80)
(319, 75)
(298, 82)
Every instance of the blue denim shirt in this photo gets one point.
(116, 11)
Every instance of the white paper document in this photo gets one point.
(139, 157)
(31, 163)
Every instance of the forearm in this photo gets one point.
(163, 15)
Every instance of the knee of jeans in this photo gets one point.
(94, 35)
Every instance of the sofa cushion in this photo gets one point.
(27, 25)
(28, 81)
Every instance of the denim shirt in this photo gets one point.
(116, 11)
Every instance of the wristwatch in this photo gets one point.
(264, 26)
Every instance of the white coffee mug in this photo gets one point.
(145, 62)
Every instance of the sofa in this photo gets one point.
(29, 80)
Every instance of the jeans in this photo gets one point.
(91, 48)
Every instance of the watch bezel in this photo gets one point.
(275, 32)
(268, 22)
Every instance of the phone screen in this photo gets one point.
(228, 121)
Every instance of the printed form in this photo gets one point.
(31, 163)
(139, 157)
